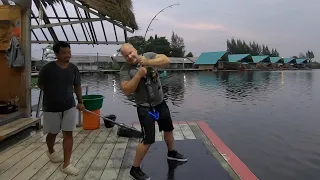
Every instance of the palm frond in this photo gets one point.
(50, 2)
(119, 10)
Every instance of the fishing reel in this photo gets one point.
(152, 74)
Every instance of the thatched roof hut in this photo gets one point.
(118, 10)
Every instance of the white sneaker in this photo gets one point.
(70, 170)
(55, 157)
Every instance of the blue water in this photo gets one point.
(268, 119)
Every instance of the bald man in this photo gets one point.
(133, 75)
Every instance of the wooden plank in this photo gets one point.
(4, 166)
(18, 147)
(16, 126)
(77, 154)
(186, 131)
(7, 128)
(200, 135)
(7, 118)
(85, 162)
(49, 168)
(113, 166)
(17, 168)
(128, 159)
(177, 134)
(41, 161)
(95, 170)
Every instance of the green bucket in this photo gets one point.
(92, 102)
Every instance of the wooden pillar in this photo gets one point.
(26, 46)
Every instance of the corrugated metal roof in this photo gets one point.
(287, 60)
(119, 59)
(194, 59)
(90, 59)
(176, 60)
(237, 57)
(35, 59)
(258, 59)
(173, 60)
(275, 59)
(302, 60)
(210, 58)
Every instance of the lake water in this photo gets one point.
(268, 119)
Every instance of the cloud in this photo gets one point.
(202, 26)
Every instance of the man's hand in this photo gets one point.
(80, 107)
(142, 72)
(144, 61)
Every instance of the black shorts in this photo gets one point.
(148, 123)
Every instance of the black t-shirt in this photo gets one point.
(58, 86)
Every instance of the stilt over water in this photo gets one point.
(101, 154)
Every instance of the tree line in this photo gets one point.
(308, 55)
(238, 46)
(161, 45)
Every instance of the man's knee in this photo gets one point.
(67, 134)
(51, 123)
(52, 134)
(148, 132)
(166, 125)
(148, 140)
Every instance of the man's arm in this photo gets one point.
(158, 61)
(41, 77)
(78, 91)
(77, 86)
(129, 86)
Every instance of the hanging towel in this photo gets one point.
(14, 54)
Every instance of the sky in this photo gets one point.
(290, 26)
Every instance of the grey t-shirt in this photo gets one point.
(128, 71)
(58, 86)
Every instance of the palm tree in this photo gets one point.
(119, 10)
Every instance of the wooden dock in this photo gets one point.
(101, 154)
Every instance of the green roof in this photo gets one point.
(237, 57)
(210, 58)
(258, 59)
(275, 59)
(287, 60)
(300, 61)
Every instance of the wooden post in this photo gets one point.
(26, 32)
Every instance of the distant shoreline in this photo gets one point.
(35, 73)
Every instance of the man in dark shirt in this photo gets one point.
(59, 80)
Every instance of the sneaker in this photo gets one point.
(137, 174)
(70, 170)
(174, 155)
(55, 157)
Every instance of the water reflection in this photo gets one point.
(175, 89)
(172, 166)
(275, 114)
